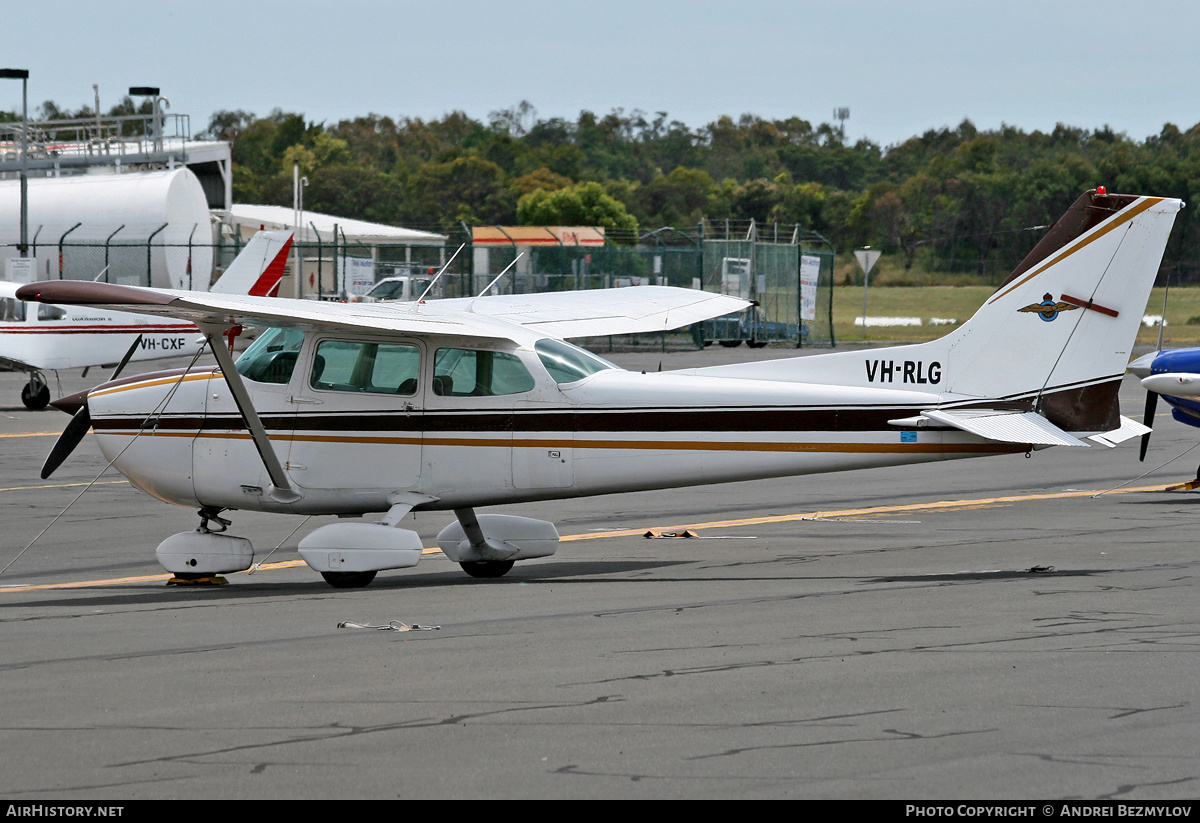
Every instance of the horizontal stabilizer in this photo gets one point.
(1128, 428)
(1001, 426)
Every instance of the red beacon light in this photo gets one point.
(1101, 190)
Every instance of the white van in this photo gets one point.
(405, 287)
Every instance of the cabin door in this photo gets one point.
(358, 417)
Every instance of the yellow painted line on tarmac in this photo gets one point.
(149, 578)
(62, 485)
(939, 506)
(30, 434)
(942, 505)
(87, 584)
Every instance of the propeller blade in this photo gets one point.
(1148, 420)
(71, 437)
(125, 359)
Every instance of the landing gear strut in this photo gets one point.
(207, 516)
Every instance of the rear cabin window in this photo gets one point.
(272, 357)
(476, 373)
(356, 366)
(46, 312)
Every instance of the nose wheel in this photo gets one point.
(35, 394)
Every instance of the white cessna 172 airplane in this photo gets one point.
(456, 404)
(48, 337)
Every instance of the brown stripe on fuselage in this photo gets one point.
(155, 377)
(640, 445)
(566, 420)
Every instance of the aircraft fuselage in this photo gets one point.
(346, 449)
(43, 337)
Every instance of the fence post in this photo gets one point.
(107, 242)
(335, 260)
(320, 263)
(189, 259)
(60, 248)
(468, 270)
(149, 278)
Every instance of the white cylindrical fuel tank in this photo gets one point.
(117, 214)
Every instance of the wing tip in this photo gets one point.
(87, 293)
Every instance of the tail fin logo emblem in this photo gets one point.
(1048, 309)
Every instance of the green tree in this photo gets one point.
(584, 204)
(468, 189)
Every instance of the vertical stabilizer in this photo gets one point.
(1054, 338)
(259, 267)
(1060, 330)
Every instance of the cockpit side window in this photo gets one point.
(478, 373)
(272, 357)
(12, 310)
(359, 366)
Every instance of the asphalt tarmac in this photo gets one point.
(985, 629)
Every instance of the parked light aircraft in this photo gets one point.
(457, 404)
(1175, 375)
(48, 337)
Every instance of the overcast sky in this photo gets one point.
(901, 67)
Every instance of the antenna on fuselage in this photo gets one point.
(437, 276)
(498, 276)
(96, 279)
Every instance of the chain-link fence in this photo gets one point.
(791, 285)
(789, 277)
(790, 281)
(141, 262)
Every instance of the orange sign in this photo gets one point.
(537, 235)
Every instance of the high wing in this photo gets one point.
(557, 314)
(628, 310)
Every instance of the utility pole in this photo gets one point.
(23, 76)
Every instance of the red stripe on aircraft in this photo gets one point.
(1088, 304)
(97, 329)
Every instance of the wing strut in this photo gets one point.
(281, 490)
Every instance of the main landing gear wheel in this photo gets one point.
(35, 395)
(348, 580)
(487, 568)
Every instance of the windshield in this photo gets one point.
(388, 290)
(272, 357)
(567, 363)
